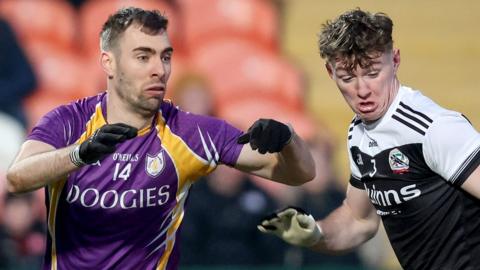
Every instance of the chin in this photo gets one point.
(150, 105)
(368, 118)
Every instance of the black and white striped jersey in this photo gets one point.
(411, 163)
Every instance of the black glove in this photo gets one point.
(102, 143)
(267, 135)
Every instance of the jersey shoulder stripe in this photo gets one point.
(412, 119)
(416, 112)
(356, 121)
(408, 124)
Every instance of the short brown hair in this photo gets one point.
(356, 36)
(151, 22)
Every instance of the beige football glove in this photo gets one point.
(293, 225)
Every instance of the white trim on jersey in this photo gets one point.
(163, 231)
(465, 164)
(212, 155)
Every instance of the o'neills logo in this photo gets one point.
(154, 164)
(399, 163)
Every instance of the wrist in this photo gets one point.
(75, 157)
(316, 236)
(292, 134)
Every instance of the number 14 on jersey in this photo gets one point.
(122, 172)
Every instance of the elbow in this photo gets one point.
(310, 170)
(371, 235)
(309, 173)
(13, 182)
(373, 229)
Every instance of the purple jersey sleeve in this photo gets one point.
(226, 137)
(52, 128)
(65, 124)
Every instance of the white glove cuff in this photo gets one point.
(317, 235)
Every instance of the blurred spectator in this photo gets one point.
(192, 93)
(320, 197)
(11, 138)
(22, 241)
(17, 79)
(220, 223)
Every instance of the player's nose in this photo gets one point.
(363, 89)
(158, 69)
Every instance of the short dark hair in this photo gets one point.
(356, 36)
(151, 22)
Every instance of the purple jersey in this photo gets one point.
(124, 212)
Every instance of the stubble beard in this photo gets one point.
(147, 107)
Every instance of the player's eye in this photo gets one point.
(166, 58)
(373, 74)
(142, 58)
(346, 79)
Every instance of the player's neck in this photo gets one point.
(393, 91)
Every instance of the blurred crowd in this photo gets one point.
(227, 63)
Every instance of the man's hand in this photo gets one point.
(102, 143)
(293, 225)
(267, 135)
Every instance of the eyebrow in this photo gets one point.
(371, 64)
(152, 51)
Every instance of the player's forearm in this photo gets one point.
(295, 163)
(342, 232)
(39, 170)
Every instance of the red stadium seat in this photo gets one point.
(243, 114)
(179, 67)
(39, 103)
(251, 19)
(96, 74)
(60, 72)
(238, 69)
(93, 15)
(53, 21)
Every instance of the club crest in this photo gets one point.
(154, 165)
(399, 163)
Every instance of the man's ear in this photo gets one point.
(329, 68)
(108, 64)
(396, 59)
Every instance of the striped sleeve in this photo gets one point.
(452, 148)
(356, 182)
